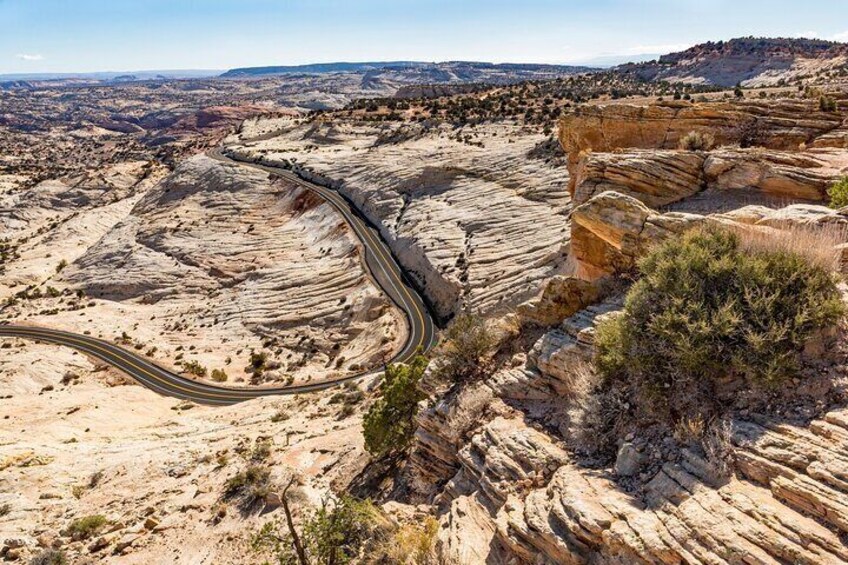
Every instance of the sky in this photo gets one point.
(64, 36)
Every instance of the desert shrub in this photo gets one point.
(49, 557)
(697, 141)
(261, 450)
(248, 487)
(704, 309)
(194, 368)
(338, 532)
(413, 543)
(87, 526)
(466, 353)
(389, 424)
(750, 133)
(219, 375)
(817, 244)
(838, 193)
(598, 409)
(827, 104)
(258, 360)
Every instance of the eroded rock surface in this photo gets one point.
(480, 223)
(276, 267)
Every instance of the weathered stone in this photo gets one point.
(628, 461)
(656, 178)
(562, 297)
(273, 500)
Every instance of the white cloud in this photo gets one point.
(807, 34)
(29, 57)
(840, 36)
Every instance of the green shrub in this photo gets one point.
(389, 424)
(827, 104)
(219, 375)
(87, 526)
(194, 368)
(466, 354)
(838, 193)
(248, 487)
(705, 309)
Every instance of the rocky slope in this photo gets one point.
(499, 459)
(217, 262)
(474, 214)
(514, 492)
(751, 61)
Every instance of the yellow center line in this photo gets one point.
(376, 247)
(112, 355)
(387, 265)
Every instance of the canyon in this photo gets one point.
(119, 221)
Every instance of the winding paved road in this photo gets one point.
(381, 266)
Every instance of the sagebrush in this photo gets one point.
(838, 193)
(705, 309)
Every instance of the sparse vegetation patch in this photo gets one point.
(706, 310)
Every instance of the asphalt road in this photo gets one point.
(379, 262)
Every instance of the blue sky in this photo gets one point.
(119, 35)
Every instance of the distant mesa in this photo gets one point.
(450, 66)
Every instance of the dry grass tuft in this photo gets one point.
(817, 244)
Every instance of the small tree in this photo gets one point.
(838, 194)
(389, 424)
(335, 534)
(467, 352)
(827, 104)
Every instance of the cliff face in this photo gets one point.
(502, 460)
(774, 124)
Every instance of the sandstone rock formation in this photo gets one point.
(276, 267)
(660, 178)
(479, 226)
(78, 441)
(779, 125)
(561, 297)
(528, 501)
(611, 231)
(657, 178)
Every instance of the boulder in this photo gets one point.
(562, 297)
(628, 461)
